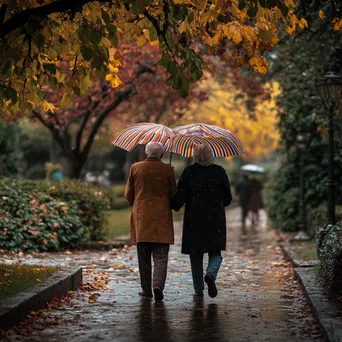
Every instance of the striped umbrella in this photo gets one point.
(222, 142)
(142, 133)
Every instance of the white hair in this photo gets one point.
(154, 150)
(203, 155)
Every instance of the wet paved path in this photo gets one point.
(257, 301)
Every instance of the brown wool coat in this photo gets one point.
(150, 187)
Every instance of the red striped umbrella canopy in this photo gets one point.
(222, 142)
(142, 133)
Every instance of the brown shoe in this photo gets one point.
(198, 294)
(145, 294)
(158, 293)
(212, 289)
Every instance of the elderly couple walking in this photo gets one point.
(151, 191)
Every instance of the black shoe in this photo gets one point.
(212, 289)
(158, 293)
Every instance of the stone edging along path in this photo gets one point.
(327, 312)
(16, 308)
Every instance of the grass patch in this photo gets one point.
(17, 278)
(309, 253)
(118, 222)
(306, 249)
(317, 268)
(178, 213)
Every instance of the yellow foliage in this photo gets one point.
(48, 107)
(233, 31)
(289, 3)
(321, 14)
(303, 23)
(83, 40)
(337, 23)
(258, 135)
(259, 64)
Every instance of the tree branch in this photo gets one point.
(52, 129)
(86, 116)
(120, 97)
(57, 6)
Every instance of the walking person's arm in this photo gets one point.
(181, 192)
(227, 194)
(129, 191)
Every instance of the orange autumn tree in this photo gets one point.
(37, 35)
(226, 107)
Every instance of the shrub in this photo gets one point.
(32, 221)
(329, 250)
(90, 200)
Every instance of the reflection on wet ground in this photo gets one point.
(258, 299)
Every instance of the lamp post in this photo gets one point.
(302, 234)
(329, 89)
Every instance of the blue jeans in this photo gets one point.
(196, 259)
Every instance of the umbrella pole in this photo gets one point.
(170, 157)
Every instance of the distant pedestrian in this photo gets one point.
(204, 189)
(255, 202)
(149, 190)
(103, 180)
(242, 190)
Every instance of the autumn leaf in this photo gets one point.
(303, 23)
(290, 3)
(337, 24)
(321, 14)
(47, 107)
(289, 30)
(233, 31)
(259, 64)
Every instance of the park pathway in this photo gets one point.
(258, 299)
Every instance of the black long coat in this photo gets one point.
(205, 191)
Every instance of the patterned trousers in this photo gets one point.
(159, 252)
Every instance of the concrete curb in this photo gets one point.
(16, 308)
(327, 312)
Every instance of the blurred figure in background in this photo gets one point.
(255, 200)
(90, 178)
(243, 191)
(103, 180)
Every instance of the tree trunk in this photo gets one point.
(72, 167)
(55, 152)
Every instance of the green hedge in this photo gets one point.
(83, 203)
(92, 201)
(33, 221)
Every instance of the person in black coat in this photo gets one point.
(205, 190)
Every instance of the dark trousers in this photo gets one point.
(244, 213)
(160, 253)
(196, 259)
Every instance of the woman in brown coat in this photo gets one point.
(149, 190)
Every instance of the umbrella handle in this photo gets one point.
(170, 157)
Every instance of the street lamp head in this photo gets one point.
(329, 89)
(300, 142)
